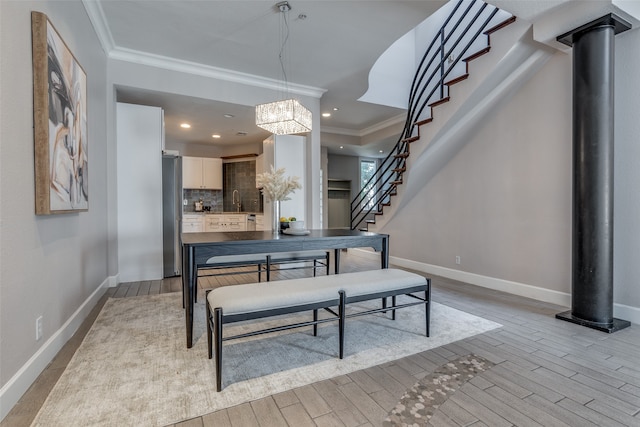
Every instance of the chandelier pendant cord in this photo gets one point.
(283, 54)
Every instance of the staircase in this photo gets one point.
(463, 38)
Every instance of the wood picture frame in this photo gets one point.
(60, 123)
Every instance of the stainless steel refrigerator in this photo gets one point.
(171, 215)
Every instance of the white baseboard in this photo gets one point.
(620, 311)
(13, 390)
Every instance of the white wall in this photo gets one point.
(503, 203)
(627, 173)
(288, 152)
(51, 266)
(139, 164)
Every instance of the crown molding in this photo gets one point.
(99, 22)
(400, 118)
(368, 130)
(183, 66)
(341, 131)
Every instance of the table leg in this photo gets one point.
(337, 261)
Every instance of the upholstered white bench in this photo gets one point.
(319, 258)
(236, 303)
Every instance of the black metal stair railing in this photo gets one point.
(457, 36)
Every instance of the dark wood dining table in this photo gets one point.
(197, 248)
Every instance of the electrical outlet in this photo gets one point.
(458, 259)
(39, 328)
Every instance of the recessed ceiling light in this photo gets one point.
(215, 135)
(326, 114)
(341, 147)
(185, 125)
(335, 108)
(229, 116)
(381, 151)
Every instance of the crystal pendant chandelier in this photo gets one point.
(287, 116)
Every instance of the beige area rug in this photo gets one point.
(133, 367)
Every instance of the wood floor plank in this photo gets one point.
(484, 414)
(588, 413)
(194, 422)
(295, 415)
(386, 400)
(365, 381)
(365, 404)
(217, 419)
(286, 398)
(329, 420)
(615, 392)
(457, 413)
(514, 416)
(143, 288)
(267, 412)
(527, 380)
(558, 411)
(525, 408)
(242, 416)
(312, 401)
(392, 385)
(439, 419)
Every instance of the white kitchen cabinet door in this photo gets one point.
(212, 173)
(202, 172)
(191, 172)
(213, 223)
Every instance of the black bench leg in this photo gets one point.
(268, 268)
(384, 304)
(209, 331)
(315, 325)
(315, 265)
(217, 333)
(259, 273)
(327, 262)
(341, 322)
(393, 304)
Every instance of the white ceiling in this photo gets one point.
(333, 49)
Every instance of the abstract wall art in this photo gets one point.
(60, 123)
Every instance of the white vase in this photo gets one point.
(275, 222)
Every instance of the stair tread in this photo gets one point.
(457, 79)
(501, 25)
(423, 121)
(439, 101)
(477, 54)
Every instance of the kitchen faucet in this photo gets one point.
(233, 202)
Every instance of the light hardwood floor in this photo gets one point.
(548, 372)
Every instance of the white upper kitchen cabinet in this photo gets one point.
(139, 142)
(202, 172)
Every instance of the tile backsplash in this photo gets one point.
(239, 176)
(212, 198)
